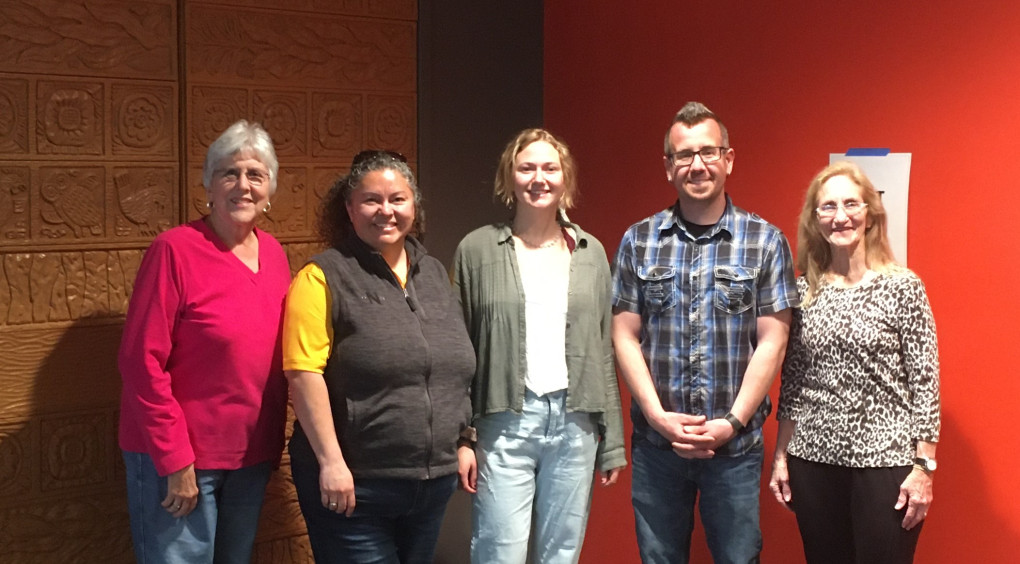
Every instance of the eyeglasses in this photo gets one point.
(372, 154)
(707, 154)
(255, 177)
(851, 208)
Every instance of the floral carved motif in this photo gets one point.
(337, 124)
(143, 120)
(284, 115)
(391, 124)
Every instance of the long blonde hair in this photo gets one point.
(814, 256)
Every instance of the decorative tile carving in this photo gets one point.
(288, 215)
(96, 302)
(92, 528)
(69, 118)
(14, 209)
(212, 111)
(324, 178)
(143, 120)
(16, 445)
(293, 549)
(144, 200)
(298, 254)
(226, 45)
(13, 116)
(74, 451)
(45, 287)
(285, 117)
(337, 124)
(70, 203)
(281, 515)
(392, 124)
(195, 199)
(95, 38)
(16, 269)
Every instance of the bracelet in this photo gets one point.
(732, 419)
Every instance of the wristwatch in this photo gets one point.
(927, 464)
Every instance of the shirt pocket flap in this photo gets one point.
(736, 273)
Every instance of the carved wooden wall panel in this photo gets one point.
(106, 110)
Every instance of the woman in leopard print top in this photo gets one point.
(859, 401)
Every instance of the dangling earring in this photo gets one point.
(269, 206)
(208, 205)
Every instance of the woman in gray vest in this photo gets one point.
(379, 365)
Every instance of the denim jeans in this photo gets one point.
(544, 459)
(394, 521)
(665, 488)
(220, 530)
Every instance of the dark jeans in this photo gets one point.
(665, 488)
(394, 521)
(846, 515)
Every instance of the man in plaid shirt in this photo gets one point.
(702, 293)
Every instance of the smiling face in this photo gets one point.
(698, 182)
(382, 209)
(844, 232)
(538, 178)
(239, 189)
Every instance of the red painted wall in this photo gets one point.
(939, 79)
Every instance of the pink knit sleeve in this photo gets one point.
(152, 419)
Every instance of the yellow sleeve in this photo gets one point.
(307, 327)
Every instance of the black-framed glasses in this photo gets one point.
(707, 154)
(254, 176)
(372, 154)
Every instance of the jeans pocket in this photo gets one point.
(734, 288)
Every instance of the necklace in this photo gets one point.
(550, 243)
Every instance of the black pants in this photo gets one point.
(847, 515)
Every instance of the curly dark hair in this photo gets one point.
(334, 225)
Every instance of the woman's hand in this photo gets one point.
(336, 487)
(181, 492)
(609, 477)
(780, 482)
(467, 469)
(916, 495)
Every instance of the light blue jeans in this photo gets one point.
(542, 459)
(664, 490)
(220, 530)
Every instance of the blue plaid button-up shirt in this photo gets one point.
(699, 299)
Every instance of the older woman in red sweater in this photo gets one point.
(204, 399)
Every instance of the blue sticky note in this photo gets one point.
(867, 152)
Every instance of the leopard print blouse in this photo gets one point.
(861, 376)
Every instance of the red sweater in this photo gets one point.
(200, 357)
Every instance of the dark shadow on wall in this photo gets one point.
(61, 474)
(480, 68)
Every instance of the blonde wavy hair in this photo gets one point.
(814, 256)
(504, 185)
